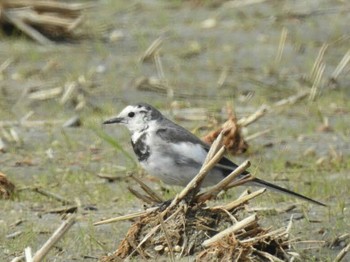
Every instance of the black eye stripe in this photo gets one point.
(131, 114)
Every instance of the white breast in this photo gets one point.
(176, 164)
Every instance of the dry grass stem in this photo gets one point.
(51, 195)
(142, 197)
(241, 3)
(167, 237)
(268, 256)
(156, 198)
(56, 236)
(258, 134)
(245, 121)
(6, 64)
(281, 45)
(222, 78)
(342, 253)
(28, 254)
(46, 94)
(291, 99)
(7, 188)
(43, 20)
(216, 189)
(18, 259)
(340, 67)
(152, 49)
(195, 183)
(240, 201)
(238, 226)
(126, 217)
(318, 62)
(30, 123)
(316, 83)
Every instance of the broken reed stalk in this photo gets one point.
(42, 20)
(55, 237)
(154, 230)
(52, 195)
(317, 81)
(258, 134)
(281, 45)
(215, 190)
(240, 200)
(342, 253)
(291, 99)
(245, 121)
(318, 62)
(28, 254)
(214, 155)
(144, 198)
(167, 237)
(148, 190)
(152, 49)
(232, 229)
(340, 67)
(126, 217)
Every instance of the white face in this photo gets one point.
(134, 117)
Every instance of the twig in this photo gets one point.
(148, 190)
(6, 64)
(170, 246)
(142, 197)
(215, 190)
(232, 229)
(30, 123)
(126, 217)
(267, 255)
(152, 49)
(245, 121)
(28, 254)
(281, 45)
(154, 230)
(51, 195)
(318, 61)
(342, 253)
(222, 77)
(240, 201)
(317, 82)
(45, 94)
(257, 134)
(291, 99)
(340, 67)
(240, 3)
(272, 234)
(18, 259)
(137, 248)
(55, 237)
(213, 157)
(44, 5)
(18, 22)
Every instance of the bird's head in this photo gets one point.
(136, 117)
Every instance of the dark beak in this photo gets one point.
(115, 120)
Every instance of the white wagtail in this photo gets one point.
(172, 153)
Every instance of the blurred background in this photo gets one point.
(65, 67)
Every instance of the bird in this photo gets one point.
(173, 154)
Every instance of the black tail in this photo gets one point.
(262, 183)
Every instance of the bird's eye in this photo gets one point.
(131, 114)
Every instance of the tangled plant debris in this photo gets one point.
(42, 20)
(188, 226)
(7, 188)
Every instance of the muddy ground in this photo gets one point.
(307, 149)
